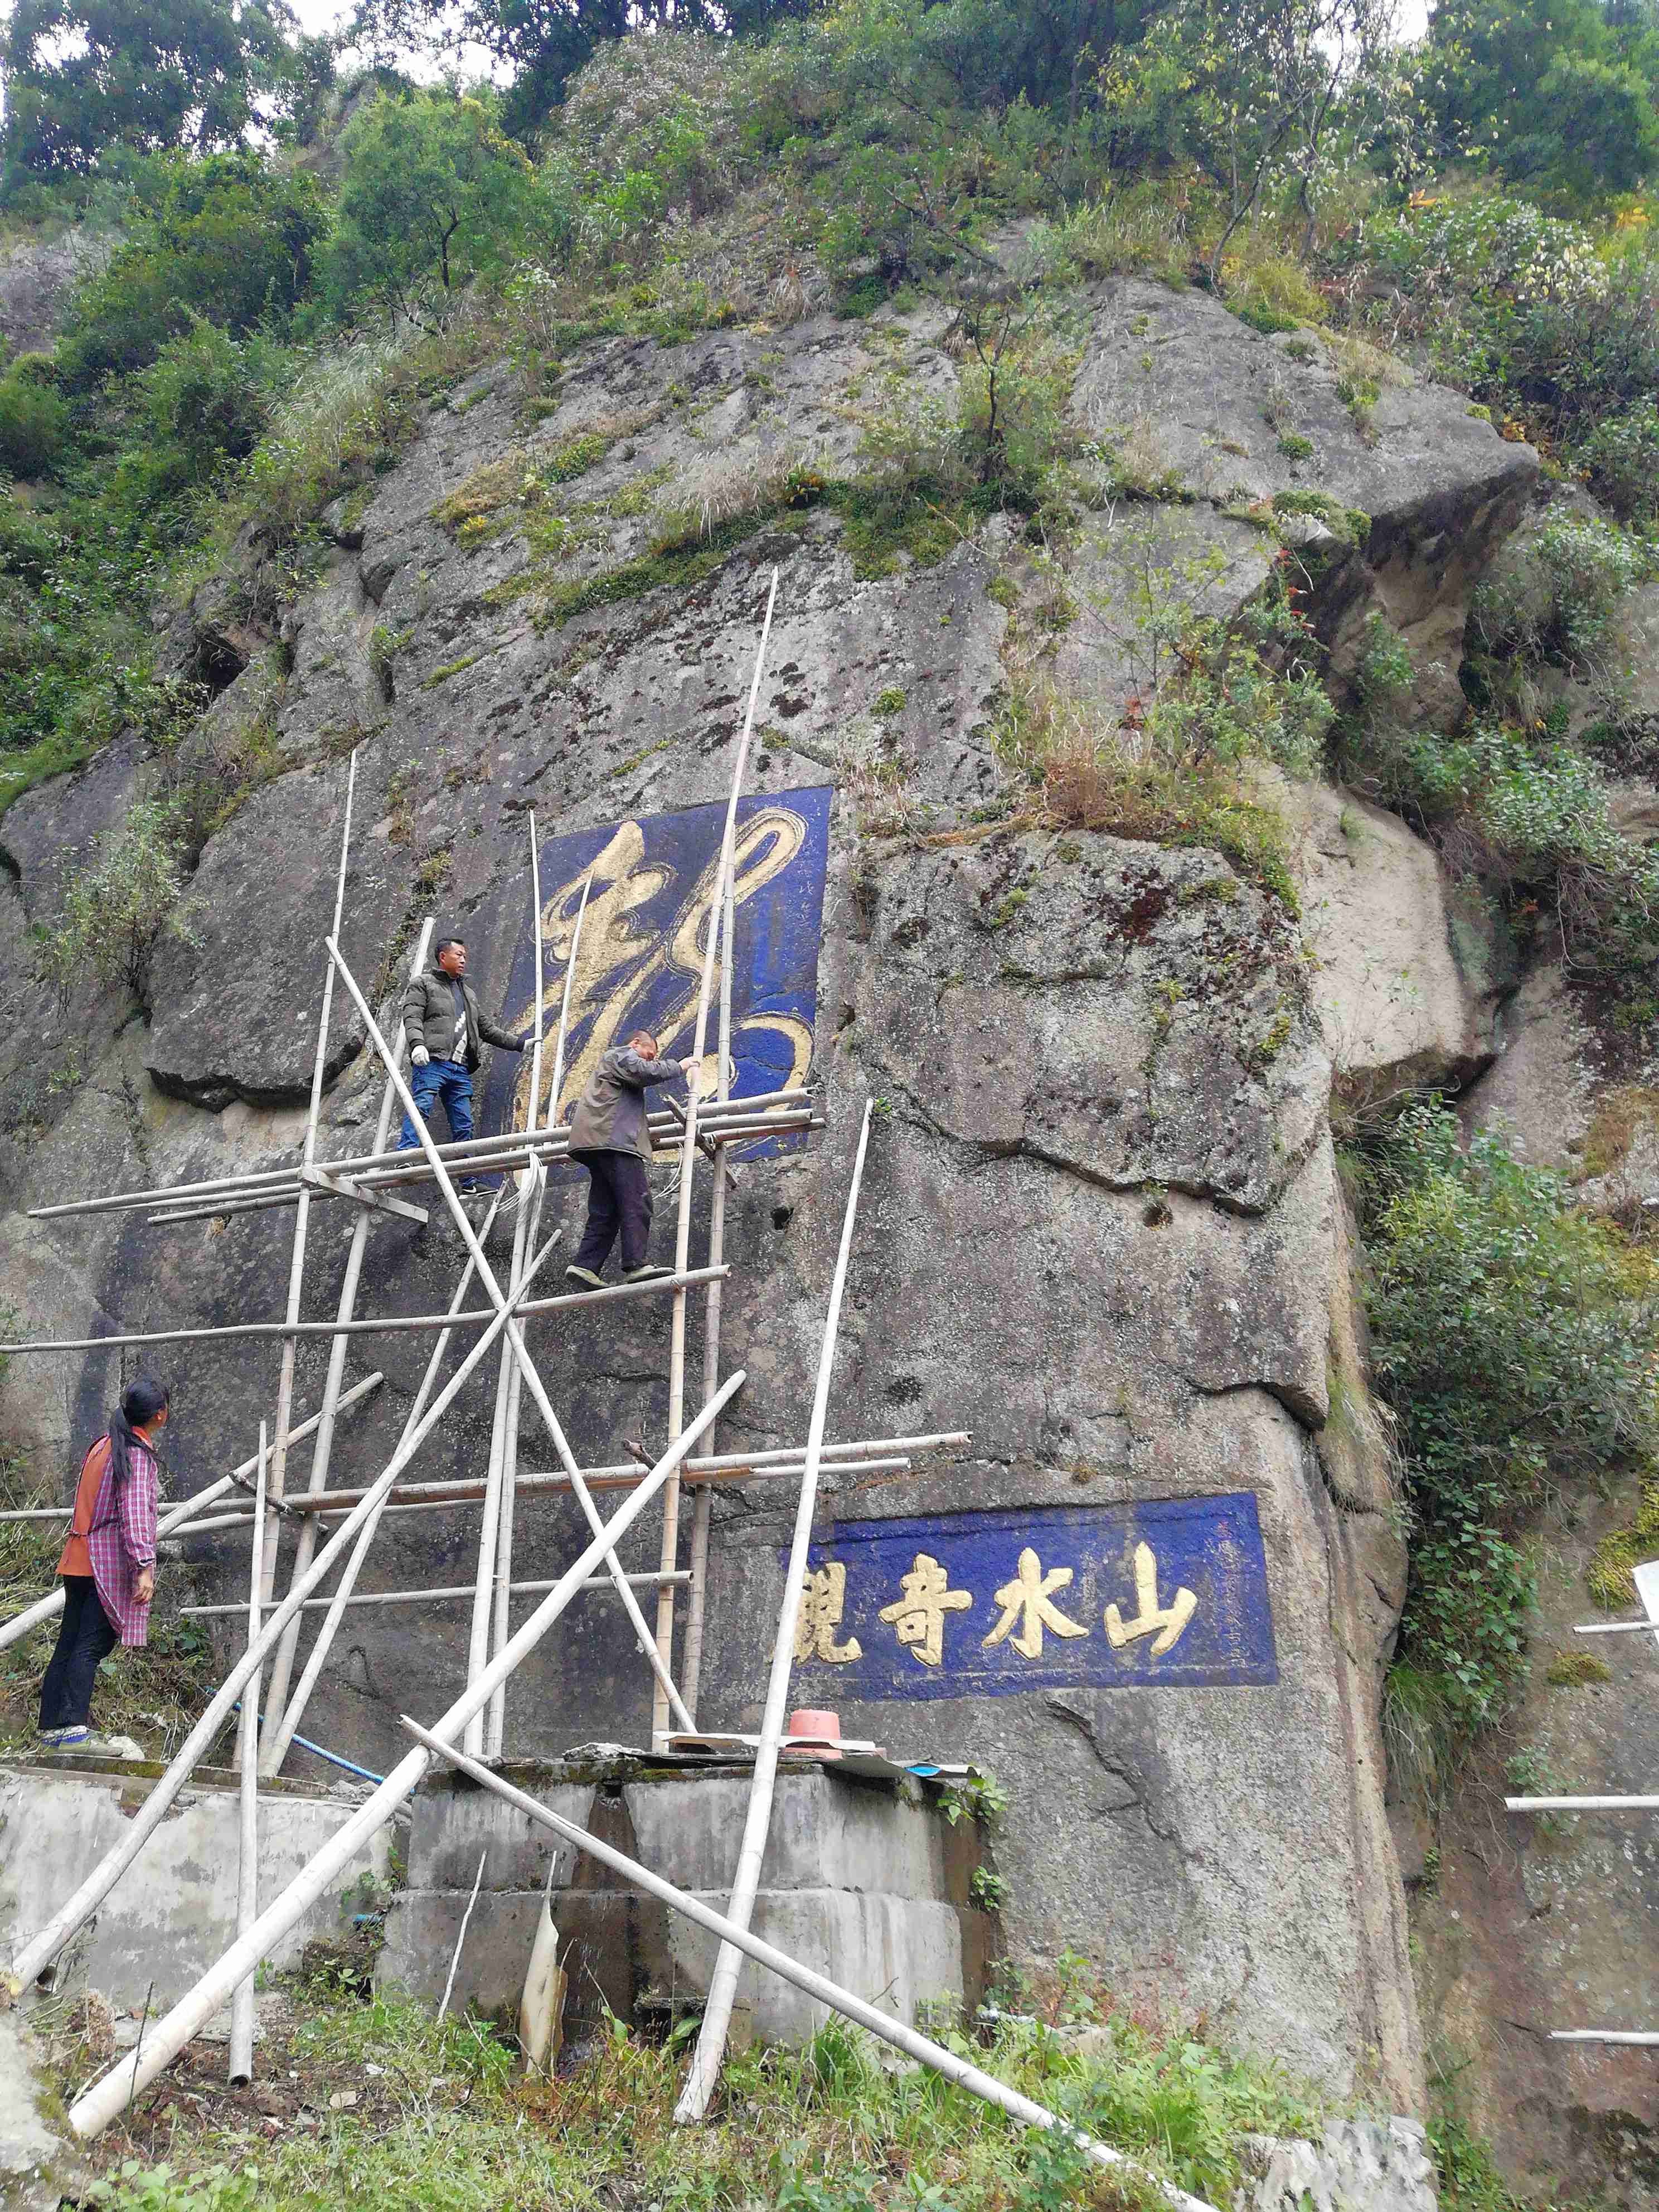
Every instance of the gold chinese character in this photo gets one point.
(919, 1615)
(1171, 1620)
(1026, 1600)
(824, 1595)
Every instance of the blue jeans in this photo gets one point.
(440, 1079)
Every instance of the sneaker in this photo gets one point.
(648, 1272)
(66, 1739)
(49, 1738)
(585, 1276)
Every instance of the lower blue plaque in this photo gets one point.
(1168, 1592)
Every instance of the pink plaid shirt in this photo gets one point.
(121, 1539)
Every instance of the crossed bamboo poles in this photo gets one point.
(475, 1717)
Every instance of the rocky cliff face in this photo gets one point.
(1101, 1227)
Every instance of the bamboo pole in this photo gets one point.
(276, 1480)
(454, 1495)
(1582, 1804)
(34, 1955)
(174, 1523)
(723, 1987)
(946, 2063)
(391, 1325)
(282, 1665)
(466, 1918)
(703, 1506)
(1618, 1628)
(670, 1502)
(1642, 2038)
(539, 1395)
(495, 1717)
(496, 1532)
(247, 1759)
(286, 1724)
(367, 1166)
(94, 2110)
(483, 1591)
(425, 1596)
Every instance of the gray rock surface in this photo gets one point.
(1358, 2166)
(38, 2169)
(1101, 1226)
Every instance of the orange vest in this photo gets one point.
(75, 1558)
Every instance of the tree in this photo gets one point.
(231, 239)
(432, 194)
(1550, 91)
(85, 76)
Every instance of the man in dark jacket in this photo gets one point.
(442, 1025)
(609, 1136)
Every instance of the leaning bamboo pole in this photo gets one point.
(703, 1506)
(99, 2105)
(288, 1723)
(514, 1330)
(37, 1954)
(282, 1665)
(247, 1865)
(948, 2064)
(175, 1522)
(276, 1481)
(723, 1987)
(670, 1502)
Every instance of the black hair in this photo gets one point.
(443, 945)
(144, 1398)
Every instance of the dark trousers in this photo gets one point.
(87, 1635)
(620, 1198)
(440, 1079)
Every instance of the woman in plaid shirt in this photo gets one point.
(108, 1564)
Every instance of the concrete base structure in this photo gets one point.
(864, 1880)
(174, 1913)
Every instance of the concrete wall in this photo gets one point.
(174, 1913)
(868, 1888)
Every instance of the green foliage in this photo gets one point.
(1512, 1337)
(823, 2128)
(229, 239)
(433, 194)
(1556, 602)
(34, 417)
(116, 913)
(1608, 1577)
(1577, 1670)
(1621, 457)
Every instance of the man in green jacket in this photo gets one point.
(443, 1024)
(611, 1137)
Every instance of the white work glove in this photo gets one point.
(420, 1056)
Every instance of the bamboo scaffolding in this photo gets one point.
(389, 1325)
(1618, 1628)
(286, 1726)
(371, 1168)
(276, 1478)
(100, 2103)
(883, 2026)
(670, 1503)
(175, 1521)
(602, 1583)
(705, 2067)
(247, 1760)
(514, 1337)
(282, 1665)
(34, 1955)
